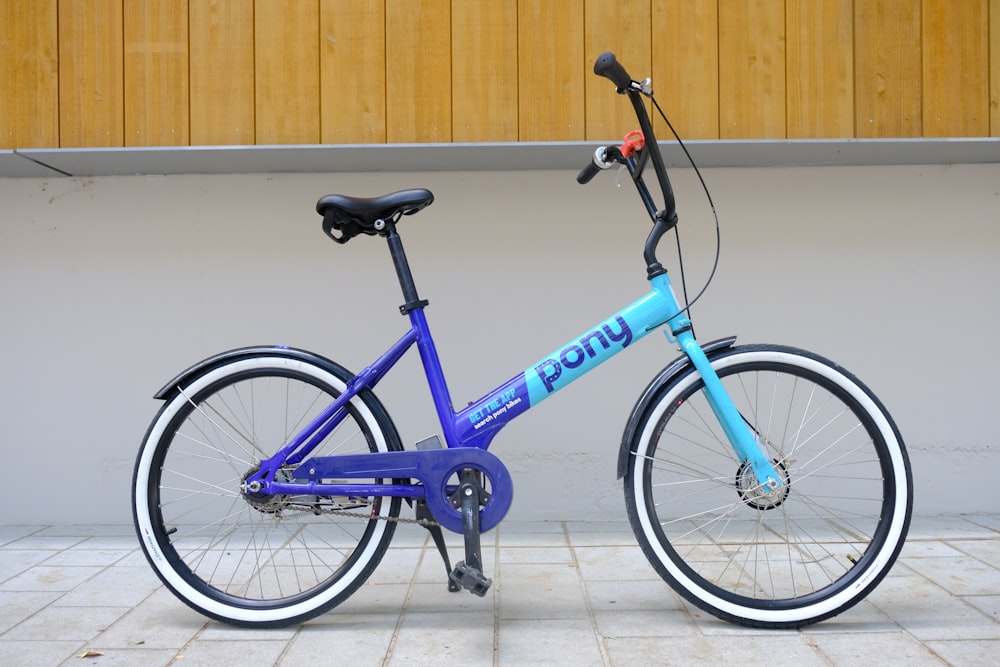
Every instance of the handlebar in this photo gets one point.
(635, 157)
(608, 66)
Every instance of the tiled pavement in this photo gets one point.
(564, 593)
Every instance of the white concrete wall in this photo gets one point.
(112, 285)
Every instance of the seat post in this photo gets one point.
(412, 301)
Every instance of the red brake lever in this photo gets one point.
(634, 141)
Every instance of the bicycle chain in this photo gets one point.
(360, 515)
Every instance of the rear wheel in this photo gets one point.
(784, 558)
(248, 559)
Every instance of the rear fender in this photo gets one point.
(678, 366)
(211, 363)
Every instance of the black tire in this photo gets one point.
(257, 562)
(782, 560)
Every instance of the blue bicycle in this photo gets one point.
(765, 484)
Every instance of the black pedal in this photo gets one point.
(471, 579)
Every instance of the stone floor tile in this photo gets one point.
(126, 657)
(47, 542)
(548, 642)
(50, 578)
(784, 649)
(883, 648)
(83, 557)
(13, 533)
(358, 640)
(988, 604)
(540, 591)
(215, 653)
(443, 639)
(613, 563)
(37, 652)
(159, 621)
(958, 576)
(929, 612)
(654, 623)
(16, 606)
(64, 624)
(113, 587)
(641, 594)
(975, 652)
(15, 561)
(945, 528)
(987, 551)
(512, 555)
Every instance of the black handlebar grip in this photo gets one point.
(608, 66)
(587, 173)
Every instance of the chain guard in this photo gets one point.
(433, 468)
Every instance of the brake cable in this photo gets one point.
(718, 234)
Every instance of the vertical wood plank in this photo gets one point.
(286, 71)
(887, 77)
(820, 68)
(91, 74)
(751, 69)
(622, 27)
(222, 72)
(418, 71)
(995, 68)
(29, 85)
(156, 73)
(550, 70)
(484, 70)
(686, 66)
(955, 68)
(352, 71)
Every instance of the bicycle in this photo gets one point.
(765, 484)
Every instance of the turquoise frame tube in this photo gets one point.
(477, 424)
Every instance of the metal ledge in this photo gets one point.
(480, 157)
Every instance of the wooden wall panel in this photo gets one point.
(29, 85)
(995, 68)
(286, 71)
(94, 73)
(887, 70)
(484, 45)
(955, 68)
(418, 71)
(622, 27)
(221, 72)
(352, 71)
(91, 87)
(156, 72)
(819, 68)
(686, 66)
(550, 70)
(751, 69)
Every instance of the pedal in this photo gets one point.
(471, 579)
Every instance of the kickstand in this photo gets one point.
(424, 514)
(469, 573)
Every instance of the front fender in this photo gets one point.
(676, 367)
(206, 365)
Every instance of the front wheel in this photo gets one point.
(247, 559)
(777, 559)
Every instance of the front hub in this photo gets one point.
(758, 496)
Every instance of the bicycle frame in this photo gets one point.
(475, 426)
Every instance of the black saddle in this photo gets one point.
(351, 216)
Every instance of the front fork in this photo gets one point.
(743, 441)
